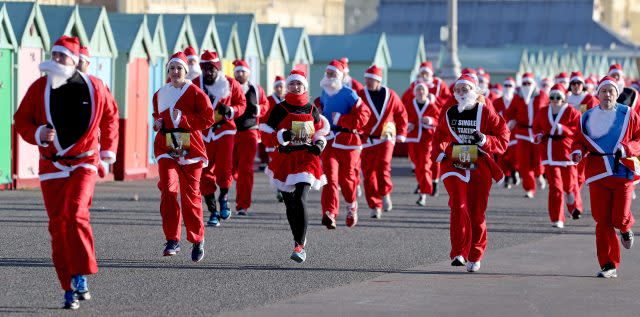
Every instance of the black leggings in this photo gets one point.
(296, 204)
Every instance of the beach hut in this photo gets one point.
(230, 43)
(157, 77)
(249, 37)
(300, 55)
(63, 20)
(8, 46)
(102, 44)
(275, 52)
(205, 32)
(407, 52)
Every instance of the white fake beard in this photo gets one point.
(346, 81)
(527, 92)
(575, 100)
(194, 71)
(621, 85)
(331, 85)
(600, 122)
(466, 101)
(220, 87)
(58, 73)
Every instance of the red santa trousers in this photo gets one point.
(468, 203)
(185, 179)
(508, 161)
(563, 180)
(340, 166)
(376, 170)
(244, 154)
(611, 209)
(529, 165)
(67, 201)
(220, 168)
(420, 155)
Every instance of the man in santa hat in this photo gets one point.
(554, 127)
(194, 64)
(181, 110)
(590, 86)
(347, 115)
(349, 81)
(84, 61)
(628, 96)
(578, 97)
(387, 124)
(228, 102)
(509, 161)
(545, 84)
(497, 90)
(67, 114)
(484, 83)
(562, 79)
(520, 120)
(609, 134)
(246, 139)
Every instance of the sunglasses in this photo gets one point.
(526, 83)
(508, 86)
(555, 97)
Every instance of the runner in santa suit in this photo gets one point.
(545, 84)
(608, 135)
(590, 87)
(451, 101)
(578, 97)
(180, 111)
(509, 160)
(562, 79)
(554, 127)
(422, 115)
(248, 135)
(387, 124)
(520, 120)
(228, 102)
(349, 81)
(462, 128)
(194, 69)
(484, 82)
(300, 130)
(69, 116)
(347, 115)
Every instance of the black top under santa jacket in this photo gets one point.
(249, 119)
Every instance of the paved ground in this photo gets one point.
(247, 267)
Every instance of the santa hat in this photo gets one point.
(190, 52)
(374, 72)
(426, 66)
(559, 89)
(467, 79)
(496, 87)
(615, 69)
(562, 78)
(345, 64)
(179, 57)
(486, 77)
(589, 83)
(279, 81)
(299, 75)
(577, 76)
(420, 84)
(608, 80)
(510, 81)
(69, 46)
(241, 64)
(528, 78)
(481, 71)
(211, 57)
(471, 72)
(336, 66)
(546, 81)
(84, 54)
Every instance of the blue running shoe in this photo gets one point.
(214, 219)
(79, 283)
(225, 211)
(299, 254)
(171, 248)
(70, 300)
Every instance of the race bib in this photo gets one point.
(303, 132)
(465, 156)
(217, 117)
(388, 131)
(583, 108)
(178, 143)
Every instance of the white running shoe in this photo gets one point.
(542, 182)
(387, 204)
(473, 266)
(608, 272)
(627, 239)
(529, 194)
(458, 261)
(376, 213)
(359, 191)
(352, 214)
(558, 224)
(422, 201)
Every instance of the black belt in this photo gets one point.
(616, 162)
(525, 126)
(293, 148)
(555, 137)
(343, 129)
(56, 157)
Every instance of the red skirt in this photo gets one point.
(288, 169)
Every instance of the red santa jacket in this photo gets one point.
(101, 135)
(353, 121)
(422, 123)
(557, 134)
(488, 123)
(438, 88)
(232, 96)
(584, 102)
(356, 85)
(393, 112)
(196, 114)
(523, 114)
(501, 106)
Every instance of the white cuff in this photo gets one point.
(410, 127)
(176, 120)
(427, 120)
(108, 157)
(621, 148)
(266, 128)
(336, 117)
(319, 138)
(440, 157)
(559, 129)
(482, 141)
(258, 114)
(280, 139)
(401, 138)
(40, 143)
(535, 138)
(230, 116)
(432, 98)
(576, 152)
(511, 124)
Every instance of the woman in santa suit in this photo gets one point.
(554, 128)
(608, 135)
(508, 161)
(300, 130)
(422, 114)
(181, 110)
(469, 134)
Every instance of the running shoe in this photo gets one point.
(299, 254)
(171, 248)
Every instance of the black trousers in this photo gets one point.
(296, 205)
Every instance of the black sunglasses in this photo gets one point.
(555, 97)
(508, 86)
(526, 84)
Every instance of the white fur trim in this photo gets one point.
(266, 128)
(336, 118)
(483, 141)
(615, 71)
(192, 57)
(231, 114)
(401, 138)
(577, 78)
(299, 78)
(564, 96)
(608, 82)
(177, 60)
(466, 82)
(38, 141)
(85, 58)
(238, 68)
(376, 77)
(182, 161)
(465, 178)
(440, 157)
(279, 82)
(108, 157)
(528, 80)
(333, 68)
(425, 69)
(65, 51)
(280, 139)
(289, 185)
